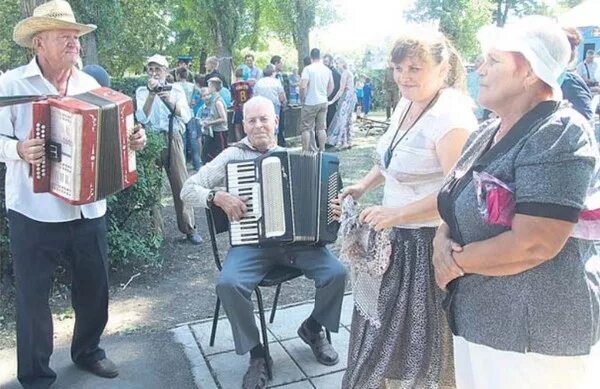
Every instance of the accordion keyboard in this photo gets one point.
(242, 182)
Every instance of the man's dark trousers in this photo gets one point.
(331, 110)
(36, 248)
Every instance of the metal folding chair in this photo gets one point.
(217, 224)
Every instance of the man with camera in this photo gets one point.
(163, 108)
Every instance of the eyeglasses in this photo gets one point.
(153, 70)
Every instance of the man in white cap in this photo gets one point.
(43, 227)
(163, 108)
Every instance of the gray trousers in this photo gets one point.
(177, 174)
(246, 266)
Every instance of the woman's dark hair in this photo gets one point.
(431, 47)
(275, 59)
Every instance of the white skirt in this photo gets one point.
(482, 367)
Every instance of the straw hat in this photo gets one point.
(53, 15)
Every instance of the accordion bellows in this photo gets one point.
(87, 146)
(289, 195)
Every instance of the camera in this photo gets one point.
(161, 88)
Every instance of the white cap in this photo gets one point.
(540, 40)
(159, 60)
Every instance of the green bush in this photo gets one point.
(128, 85)
(133, 230)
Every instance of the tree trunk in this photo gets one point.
(27, 7)
(301, 41)
(505, 13)
(226, 63)
(301, 31)
(89, 49)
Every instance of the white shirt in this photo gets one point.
(415, 171)
(318, 76)
(269, 87)
(159, 114)
(583, 68)
(16, 121)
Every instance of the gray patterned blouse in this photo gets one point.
(551, 158)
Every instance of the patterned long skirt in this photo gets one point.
(412, 348)
(339, 133)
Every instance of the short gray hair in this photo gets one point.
(257, 101)
(213, 60)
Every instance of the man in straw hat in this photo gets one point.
(43, 227)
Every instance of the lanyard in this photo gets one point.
(387, 158)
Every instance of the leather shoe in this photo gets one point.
(323, 351)
(256, 376)
(102, 368)
(194, 238)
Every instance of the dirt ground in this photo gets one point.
(181, 290)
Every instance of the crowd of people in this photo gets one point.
(286, 92)
(479, 269)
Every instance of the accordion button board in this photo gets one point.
(87, 145)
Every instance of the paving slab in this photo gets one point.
(329, 381)
(229, 368)
(288, 320)
(223, 338)
(296, 385)
(347, 309)
(200, 371)
(295, 366)
(304, 357)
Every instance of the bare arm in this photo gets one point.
(282, 99)
(448, 151)
(303, 87)
(222, 115)
(148, 104)
(531, 241)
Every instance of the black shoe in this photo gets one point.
(102, 368)
(256, 376)
(323, 350)
(194, 238)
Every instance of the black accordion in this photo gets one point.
(289, 195)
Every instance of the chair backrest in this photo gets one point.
(218, 223)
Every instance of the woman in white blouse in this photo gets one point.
(399, 334)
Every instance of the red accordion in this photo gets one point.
(87, 145)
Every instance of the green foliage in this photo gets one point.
(376, 77)
(292, 20)
(459, 20)
(505, 8)
(132, 231)
(11, 55)
(128, 85)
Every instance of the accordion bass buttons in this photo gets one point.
(40, 133)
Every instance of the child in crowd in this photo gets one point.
(241, 92)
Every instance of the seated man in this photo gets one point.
(245, 266)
